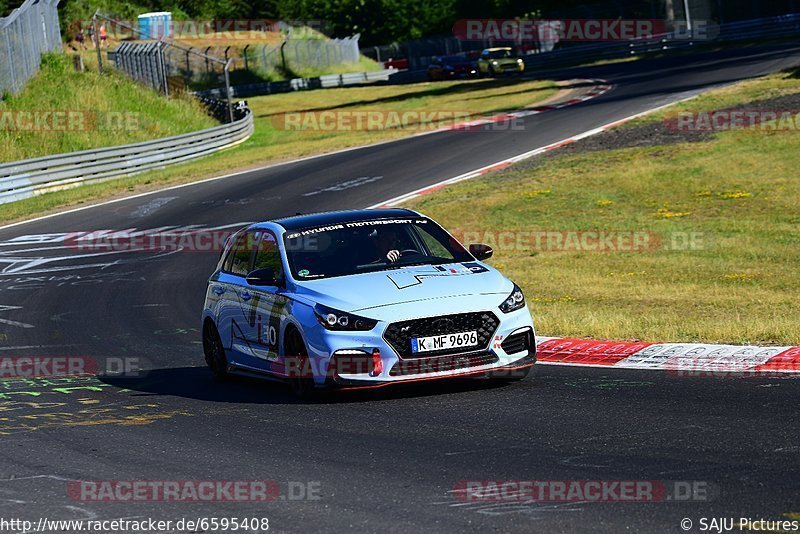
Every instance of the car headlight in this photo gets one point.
(338, 320)
(495, 63)
(519, 60)
(514, 301)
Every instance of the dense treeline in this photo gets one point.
(378, 21)
(385, 21)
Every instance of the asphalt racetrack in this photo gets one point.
(395, 460)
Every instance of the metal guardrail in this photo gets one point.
(299, 84)
(765, 28)
(28, 178)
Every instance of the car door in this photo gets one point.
(235, 319)
(268, 305)
(435, 69)
(483, 63)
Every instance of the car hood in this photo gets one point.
(397, 287)
(506, 61)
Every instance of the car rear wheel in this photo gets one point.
(215, 352)
(301, 377)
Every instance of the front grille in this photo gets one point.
(517, 342)
(399, 334)
(442, 363)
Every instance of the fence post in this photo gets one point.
(244, 57)
(228, 90)
(283, 55)
(163, 64)
(97, 44)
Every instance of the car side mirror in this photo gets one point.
(481, 252)
(263, 277)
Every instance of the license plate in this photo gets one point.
(447, 341)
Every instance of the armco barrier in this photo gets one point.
(299, 84)
(765, 28)
(27, 178)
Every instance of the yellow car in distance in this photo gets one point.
(497, 61)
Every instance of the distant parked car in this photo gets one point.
(450, 67)
(496, 61)
(399, 63)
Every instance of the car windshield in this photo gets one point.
(357, 247)
(499, 54)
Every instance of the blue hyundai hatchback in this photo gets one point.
(362, 298)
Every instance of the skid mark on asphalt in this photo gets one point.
(28, 405)
(611, 384)
(532, 509)
(150, 207)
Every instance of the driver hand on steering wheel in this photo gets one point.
(387, 243)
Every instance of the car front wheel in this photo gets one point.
(301, 377)
(215, 352)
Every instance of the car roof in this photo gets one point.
(497, 49)
(300, 222)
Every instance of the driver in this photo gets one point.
(387, 242)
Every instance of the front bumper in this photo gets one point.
(350, 359)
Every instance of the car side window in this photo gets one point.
(240, 255)
(434, 246)
(268, 255)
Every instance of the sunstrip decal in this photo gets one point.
(668, 356)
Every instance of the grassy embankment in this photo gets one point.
(736, 191)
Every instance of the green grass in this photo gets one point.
(739, 192)
(118, 111)
(272, 142)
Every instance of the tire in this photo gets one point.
(215, 352)
(295, 349)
